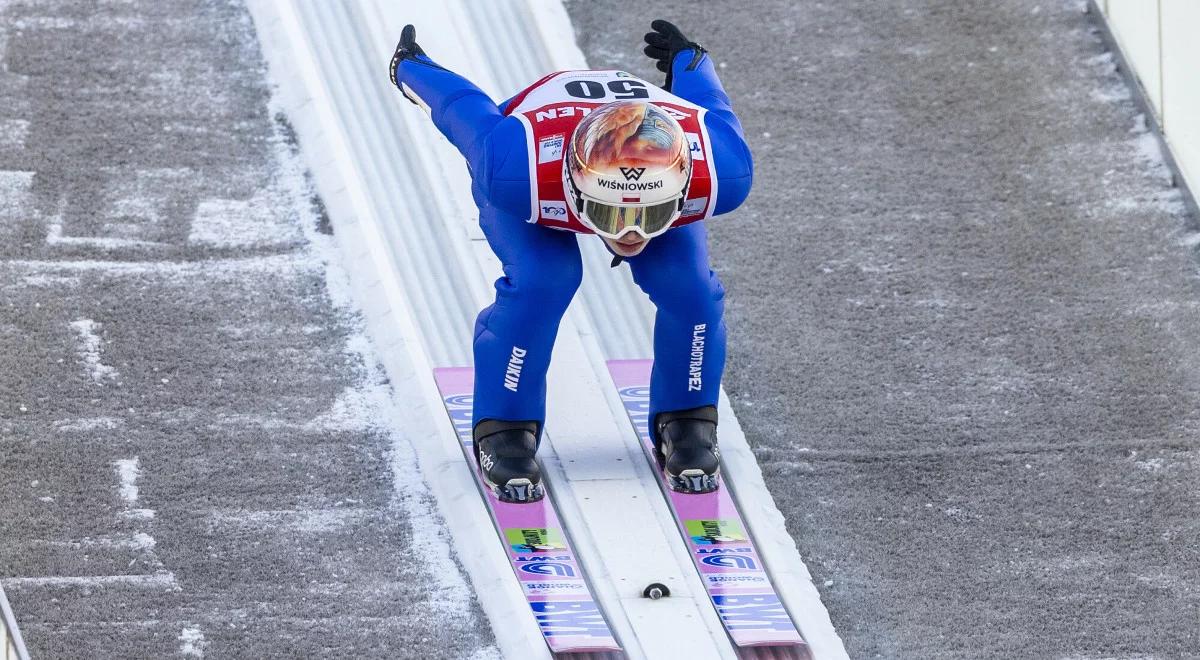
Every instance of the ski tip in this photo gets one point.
(520, 491)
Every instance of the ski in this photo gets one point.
(540, 553)
(716, 535)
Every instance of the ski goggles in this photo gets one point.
(614, 221)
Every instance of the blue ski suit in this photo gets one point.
(542, 265)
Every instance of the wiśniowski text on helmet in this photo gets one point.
(613, 184)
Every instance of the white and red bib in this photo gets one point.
(552, 107)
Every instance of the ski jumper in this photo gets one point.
(514, 153)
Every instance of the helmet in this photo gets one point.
(626, 169)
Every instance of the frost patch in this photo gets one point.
(91, 23)
(315, 521)
(1111, 94)
(56, 281)
(138, 541)
(138, 514)
(89, 349)
(140, 206)
(487, 653)
(1168, 201)
(1151, 465)
(43, 23)
(1112, 88)
(351, 411)
(255, 222)
(88, 424)
(14, 191)
(1146, 143)
(13, 133)
(128, 472)
(192, 642)
(55, 236)
(1106, 61)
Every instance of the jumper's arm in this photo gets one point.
(459, 109)
(694, 78)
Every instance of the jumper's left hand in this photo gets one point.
(664, 43)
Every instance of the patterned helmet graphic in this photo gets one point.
(624, 155)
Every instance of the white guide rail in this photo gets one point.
(12, 647)
(399, 198)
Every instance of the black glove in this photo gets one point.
(665, 42)
(407, 49)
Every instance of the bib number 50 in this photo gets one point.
(621, 89)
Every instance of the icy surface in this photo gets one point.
(198, 454)
(89, 351)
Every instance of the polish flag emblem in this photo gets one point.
(634, 199)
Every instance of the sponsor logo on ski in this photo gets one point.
(537, 539)
(632, 173)
(550, 568)
(696, 362)
(571, 587)
(570, 618)
(713, 532)
(512, 376)
(723, 579)
(559, 565)
(613, 184)
(461, 418)
(637, 404)
(757, 612)
(736, 562)
(553, 210)
(693, 140)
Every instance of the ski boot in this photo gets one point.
(685, 442)
(504, 452)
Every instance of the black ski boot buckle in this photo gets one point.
(694, 481)
(520, 491)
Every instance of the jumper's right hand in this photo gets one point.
(405, 50)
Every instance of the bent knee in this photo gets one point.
(672, 290)
(550, 285)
